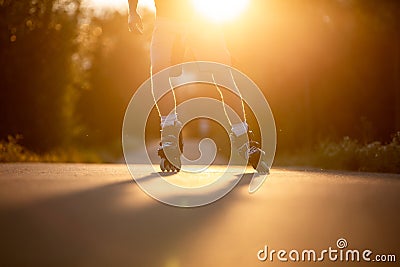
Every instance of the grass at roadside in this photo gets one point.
(348, 154)
(12, 151)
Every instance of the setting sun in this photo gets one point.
(220, 10)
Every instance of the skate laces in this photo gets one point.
(248, 148)
(243, 150)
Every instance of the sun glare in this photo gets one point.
(220, 10)
(216, 10)
(117, 4)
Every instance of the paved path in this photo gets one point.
(95, 215)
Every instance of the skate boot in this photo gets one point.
(171, 148)
(251, 151)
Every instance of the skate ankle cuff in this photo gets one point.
(240, 128)
(169, 120)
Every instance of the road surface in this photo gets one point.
(95, 215)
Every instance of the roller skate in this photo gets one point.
(251, 151)
(171, 148)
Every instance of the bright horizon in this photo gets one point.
(116, 4)
(220, 10)
(216, 10)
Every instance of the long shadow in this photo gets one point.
(92, 228)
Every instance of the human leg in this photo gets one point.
(162, 46)
(210, 46)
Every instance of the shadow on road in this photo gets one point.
(103, 226)
(119, 225)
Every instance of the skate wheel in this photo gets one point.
(262, 168)
(162, 165)
(167, 166)
(175, 168)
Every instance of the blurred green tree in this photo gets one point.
(115, 63)
(328, 68)
(37, 41)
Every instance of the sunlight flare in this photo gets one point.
(220, 10)
(117, 4)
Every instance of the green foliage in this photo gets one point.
(67, 76)
(119, 63)
(37, 41)
(12, 151)
(349, 154)
(343, 155)
(323, 65)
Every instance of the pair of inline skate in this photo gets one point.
(171, 148)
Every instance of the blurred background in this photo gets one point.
(330, 70)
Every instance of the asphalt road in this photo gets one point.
(95, 215)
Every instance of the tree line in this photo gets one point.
(328, 69)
